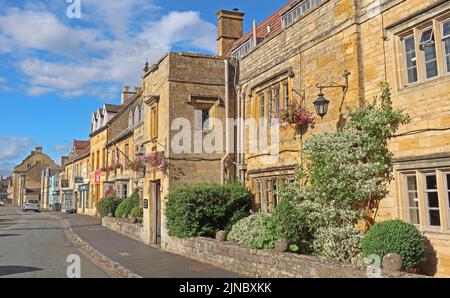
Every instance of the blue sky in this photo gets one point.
(55, 71)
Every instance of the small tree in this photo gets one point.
(354, 165)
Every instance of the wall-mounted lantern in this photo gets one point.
(321, 103)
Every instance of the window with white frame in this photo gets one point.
(411, 59)
(422, 44)
(203, 117)
(276, 103)
(413, 199)
(447, 193)
(432, 200)
(245, 48)
(446, 42)
(299, 10)
(428, 47)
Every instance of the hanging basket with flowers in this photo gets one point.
(296, 115)
(138, 165)
(157, 160)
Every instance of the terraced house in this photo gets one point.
(187, 98)
(120, 148)
(354, 45)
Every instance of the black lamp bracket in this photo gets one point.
(336, 85)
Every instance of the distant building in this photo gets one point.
(27, 176)
(4, 188)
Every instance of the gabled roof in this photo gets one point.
(79, 150)
(112, 108)
(273, 21)
(78, 145)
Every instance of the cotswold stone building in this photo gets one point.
(120, 148)
(187, 98)
(309, 42)
(26, 178)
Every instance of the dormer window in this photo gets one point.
(298, 11)
(243, 49)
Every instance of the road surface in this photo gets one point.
(34, 245)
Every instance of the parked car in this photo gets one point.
(32, 205)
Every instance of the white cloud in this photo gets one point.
(77, 60)
(62, 148)
(12, 149)
(3, 84)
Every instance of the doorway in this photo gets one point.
(156, 211)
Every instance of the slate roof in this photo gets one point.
(274, 21)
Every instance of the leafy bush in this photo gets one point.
(202, 210)
(253, 231)
(108, 205)
(137, 212)
(127, 205)
(395, 236)
(353, 164)
(338, 244)
(297, 217)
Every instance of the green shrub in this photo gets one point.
(108, 205)
(202, 210)
(137, 212)
(338, 244)
(127, 205)
(395, 236)
(253, 231)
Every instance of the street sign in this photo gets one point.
(145, 203)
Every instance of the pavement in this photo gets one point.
(34, 245)
(141, 259)
(37, 245)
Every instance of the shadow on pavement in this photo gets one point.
(9, 235)
(9, 270)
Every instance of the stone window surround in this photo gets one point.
(414, 27)
(443, 196)
(267, 88)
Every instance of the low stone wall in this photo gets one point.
(262, 263)
(134, 231)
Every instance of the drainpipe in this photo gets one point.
(227, 125)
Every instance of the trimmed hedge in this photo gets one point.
(202, 210)
(395, 236)
(127, 205)
(108, 205)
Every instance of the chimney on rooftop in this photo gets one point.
(126, 94)
(38, 149)
(230, 28)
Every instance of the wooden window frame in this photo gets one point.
(405, 55)
(407, 192)
(427, 207)
(443, 39)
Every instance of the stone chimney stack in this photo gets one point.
(230, 28)
(64, 160)
(38, 149)
(126, 94)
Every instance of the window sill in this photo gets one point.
(425, 83)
